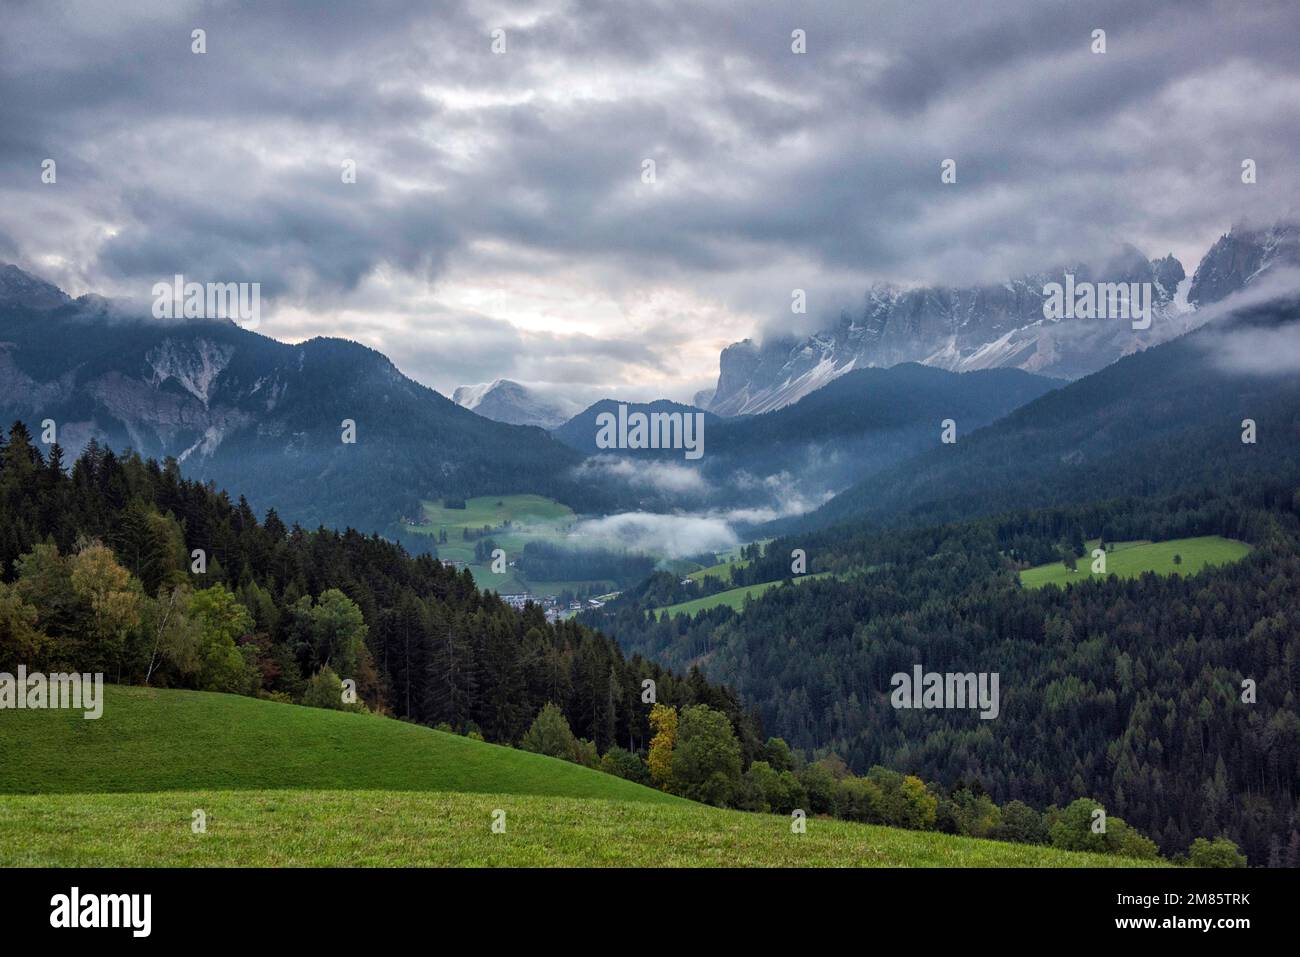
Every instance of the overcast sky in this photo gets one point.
(499, 225)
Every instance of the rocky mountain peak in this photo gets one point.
(961, 329)
(505, 400)
(18, 288)
(1241, 256)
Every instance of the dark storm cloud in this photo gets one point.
(476, 171)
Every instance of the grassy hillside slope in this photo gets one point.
(155, 740)
(284, 785)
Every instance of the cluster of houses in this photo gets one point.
(554, 609)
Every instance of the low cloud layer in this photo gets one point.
(672, 536)
(499, 225)
(665, 477)
(1267, 348)
(681, 534)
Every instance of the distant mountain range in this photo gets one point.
(795, 457)
(993, 326)
(1167, 419)
(261, 416)
(580, 431)
(845, 411)
(507, 401)
(865, 421)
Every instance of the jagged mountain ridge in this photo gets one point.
(993, 326)
(262, 416)
(1241, 257)
(1168, 419)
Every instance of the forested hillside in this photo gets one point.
(265, 417)
(98, 574)
(121, 566)
(855, 426)
(1130, 691)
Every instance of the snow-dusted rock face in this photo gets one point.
(1242, 256)
(182, 389)
(957, 329)
(989, 327)
(507, 401)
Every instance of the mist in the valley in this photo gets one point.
(689, 516)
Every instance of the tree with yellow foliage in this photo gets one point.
(21, 641)
(663, 718)
(114, 602)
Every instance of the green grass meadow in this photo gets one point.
(1132, 559)
(733, 597)
(428, 828)
(721, 570)
(533, 518)
(285, 785)
(158, 740)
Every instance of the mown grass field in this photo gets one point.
(405, 828)
(1131, 559)
(284, 785)
(532, 518)
(494, 510)
(732, 597)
